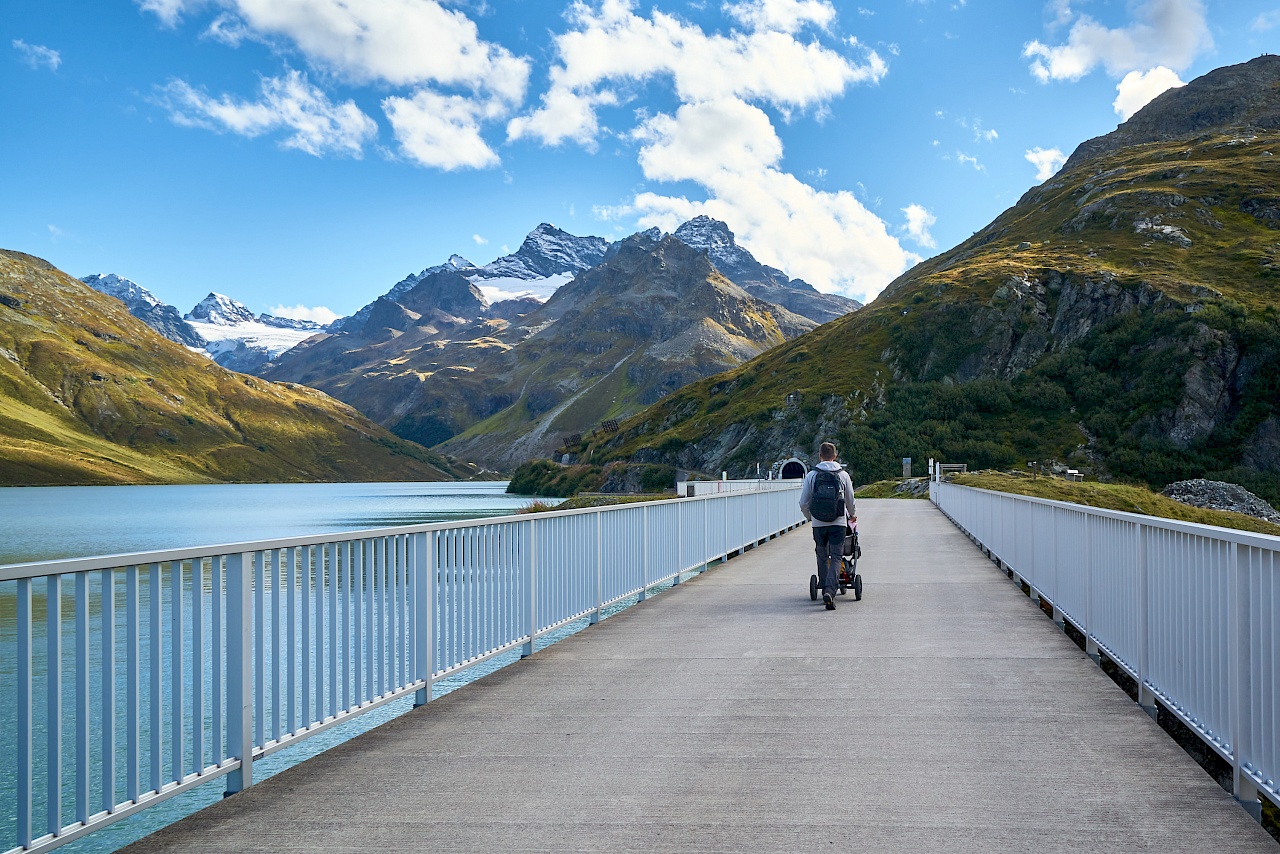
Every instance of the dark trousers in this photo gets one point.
(828, 541)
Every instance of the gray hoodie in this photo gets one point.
(806, 492)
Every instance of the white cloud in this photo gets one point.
(785, 16)
(919, 221)
(612, 46)
(1139, 88)
(480, 241)
(290, 103)
(1046, 160)
(415, 43)
(987, 135)
(970, 160)
(319, 314)
(37, 55)
(730, 148)
(1171, 33)
(55, 232)
(1266, 21)
(168, 11)
(442, 130)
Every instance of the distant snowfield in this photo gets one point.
(499, 288)
(253, 335)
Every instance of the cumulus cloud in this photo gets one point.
(731, 149)
(442, 130)
(611, 46)
(1139, 88)
(480, 241)
(1046, 160)
(786, 16)
(458, 81)
(37, 55)
(919, 221)
(318, 126)
(1171, 33)
(318, 314)
(720, 138)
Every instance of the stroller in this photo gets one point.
(848, 577)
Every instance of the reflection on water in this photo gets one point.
(44, 523)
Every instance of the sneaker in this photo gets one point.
(826, 600)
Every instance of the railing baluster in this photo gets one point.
(155, 634)
(241, 656)
(216, 584)
(197, 665)
(258, 699)
(23, 713)
(291, 638)
(53, 708)
(133, 686)
(334, 576)
(108, 643)
(82, 697)
(277, 644)
(177, 700)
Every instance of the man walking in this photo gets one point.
(827, 491)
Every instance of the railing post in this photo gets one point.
(644, 558)
(1090, 642)
(1146, 697)
(239, 670)
(595, 615)
(531, 585)
(1239, 683)
(424, 591)
(679, 540)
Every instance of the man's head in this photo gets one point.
(826, 452)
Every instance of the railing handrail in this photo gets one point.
(1235, 535)
(38, 569)
(247, 648)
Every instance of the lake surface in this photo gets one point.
(45, 523)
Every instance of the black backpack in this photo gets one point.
(827, 504)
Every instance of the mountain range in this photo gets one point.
(439, 364)
(1123, 318)
(89, 393)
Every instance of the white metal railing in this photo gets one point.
(1191, 612)
(693, 488)
(190, 664)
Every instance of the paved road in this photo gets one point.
(944, 712)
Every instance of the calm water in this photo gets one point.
(44, 523)
(57, 522)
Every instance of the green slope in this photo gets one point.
(1121, 317)
(89, 394)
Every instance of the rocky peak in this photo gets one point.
(548, 251)
(447, 292)
(220, 310)
(128, 292)
(1235, 96)
(289, 323)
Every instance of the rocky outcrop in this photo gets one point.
(1217, 495)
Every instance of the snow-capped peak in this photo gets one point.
(457, 262)
(220, 310)
(128, 292)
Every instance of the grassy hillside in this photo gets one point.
(1122, 317)
(90, 394)
(1114, 496)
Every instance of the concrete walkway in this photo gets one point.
(943, 712)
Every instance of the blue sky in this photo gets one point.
(304, 155)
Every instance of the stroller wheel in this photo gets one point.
(857, 588)
(813, 588)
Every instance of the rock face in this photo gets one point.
(767, 283)
(1236, 96)
(1217, 495)
(238, 339)
(1121, 317)
(143, 305)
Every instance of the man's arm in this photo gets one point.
(806, 496)
(847, 483)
